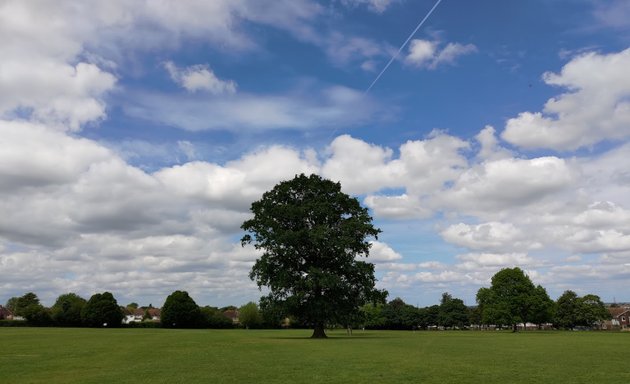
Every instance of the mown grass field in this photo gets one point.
(55, 355)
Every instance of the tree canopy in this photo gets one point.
(573, 310)
(67, 310)
(311, 234)
(101, 310)
(249, 315)
(512, 298)
(453, 312)
(180, 311)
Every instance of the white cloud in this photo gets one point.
(490, 147)
(397, 207)
(491, 236)
(378, 6)
(508, 183)
(494, 261)
(423, 165)
(54, 92)
(28, 150)
(199, 78)
(381, 252)
(331, 106)
(427, 54)
(594, 108)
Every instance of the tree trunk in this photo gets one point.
(514, 327)
(318, 332)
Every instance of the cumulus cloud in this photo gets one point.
(488, 236)
(504, 184)
(427, 53)
(381, 252)
(332, 106)
(594, 108)
(199, 78)
(92, 214)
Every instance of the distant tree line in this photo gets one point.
(511, 299)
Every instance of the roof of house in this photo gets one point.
(153, 312)
(618, 311)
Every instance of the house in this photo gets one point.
(232, 314)
(140, 314)
(620, 318)
(5, 313)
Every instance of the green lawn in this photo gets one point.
(55, 355)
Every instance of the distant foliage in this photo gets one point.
(512, 299)
(66, 311)
(452, 312)
(249, 316)
(29, 307)
(573, 311)
(181, 311)
(102, 310)
(212, 317)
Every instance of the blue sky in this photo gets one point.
(134, 135)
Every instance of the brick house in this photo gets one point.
(5, 313)
(232, 314)
(620, 318)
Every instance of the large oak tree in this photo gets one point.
(312, 234)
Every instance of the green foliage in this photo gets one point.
(373, 317)
(588, 311)
(67, 309)
(212, 317)
(28, 306)
(180, 311)
(249, 316)
(101, 310)
(570, 311)
(12, 304)
(399, 315)
(542, 308)
(311, 234)
(592, 311)
(24, 305)
(512, 298)
(272, 314)
(429, 316)
(453, 312)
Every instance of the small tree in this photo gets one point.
(67, 310)
(180, 311)
(249, 315)
(102, 310)
(311, 234)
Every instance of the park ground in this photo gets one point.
(66, 355)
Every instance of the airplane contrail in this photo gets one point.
(403, 46)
